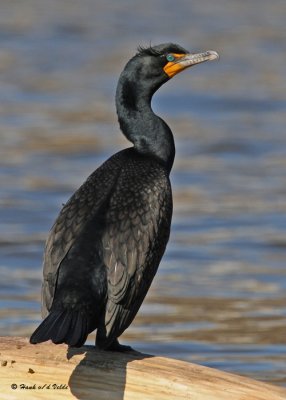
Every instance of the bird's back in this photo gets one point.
(105, 247)
(135, 237)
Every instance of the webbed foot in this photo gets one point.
(116, 346)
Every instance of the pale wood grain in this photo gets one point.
(93, 374)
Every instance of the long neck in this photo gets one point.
(148, 132)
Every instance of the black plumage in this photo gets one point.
(105, 247)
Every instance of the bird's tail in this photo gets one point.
(64, 326)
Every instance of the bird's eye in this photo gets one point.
(170, 57)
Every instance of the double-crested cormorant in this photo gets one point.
(105, 247)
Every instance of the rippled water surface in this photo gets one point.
(219, 296)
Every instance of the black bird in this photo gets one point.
(105, 247)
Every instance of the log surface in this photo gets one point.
(48, 371)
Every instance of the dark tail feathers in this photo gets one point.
(65, 326)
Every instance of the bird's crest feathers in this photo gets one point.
(160, 50)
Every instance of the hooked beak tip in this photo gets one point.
(213, 55)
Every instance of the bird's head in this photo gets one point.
(155, 65)
(149, 69)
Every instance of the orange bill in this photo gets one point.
(183, 61)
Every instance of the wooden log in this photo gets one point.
(48, 371)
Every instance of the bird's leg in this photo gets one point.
(101, 340)
(116, 346)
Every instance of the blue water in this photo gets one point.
(219, 296)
